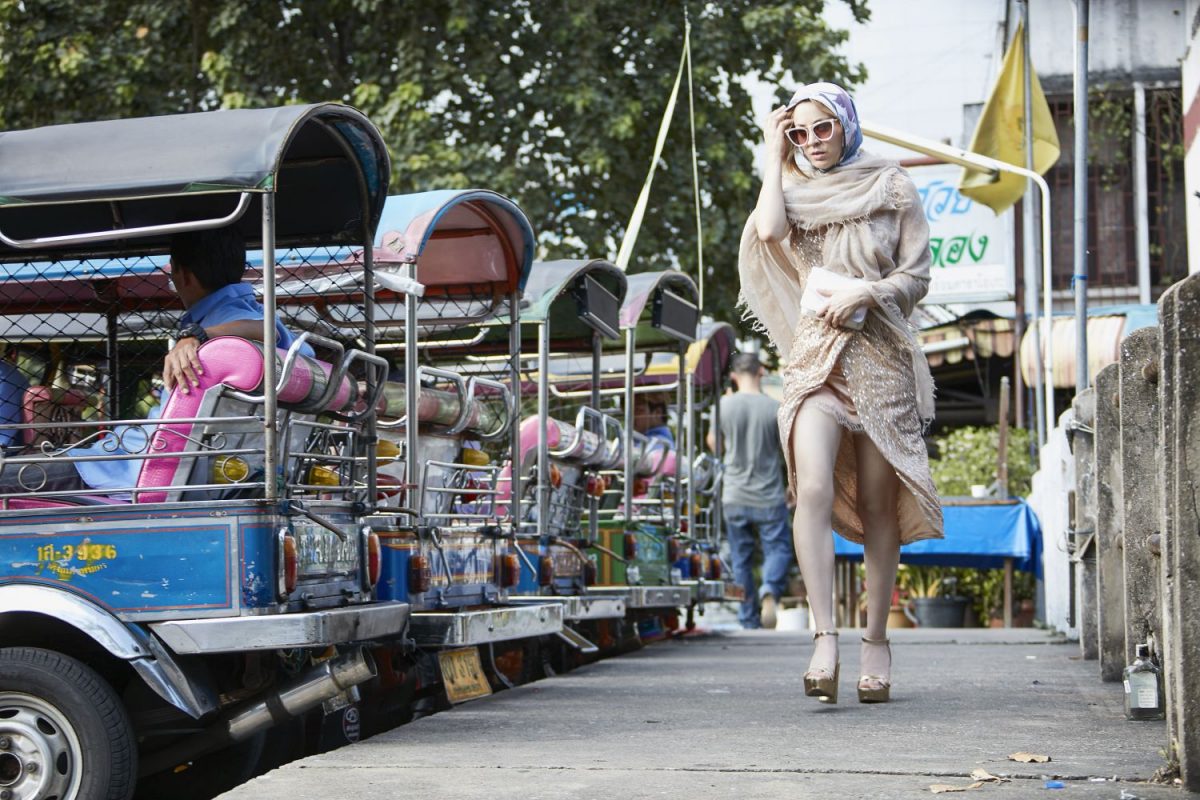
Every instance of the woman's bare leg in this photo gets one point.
(878, 491)
(816, 437)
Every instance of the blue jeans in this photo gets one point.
(744, 524)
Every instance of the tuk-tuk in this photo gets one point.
(222, 580)
(659, 315)
(707, 368)
(555, 472)
(455, 261)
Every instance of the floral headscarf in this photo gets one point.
(840, 103)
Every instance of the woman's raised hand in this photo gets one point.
(774, 134)
(770, 217)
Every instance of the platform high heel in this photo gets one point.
(876, 688)
(819, 683)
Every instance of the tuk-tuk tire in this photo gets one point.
(40, 685)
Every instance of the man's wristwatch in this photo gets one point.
(192, 331)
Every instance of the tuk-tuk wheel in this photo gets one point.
(63, 731)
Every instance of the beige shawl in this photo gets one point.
(844, 202)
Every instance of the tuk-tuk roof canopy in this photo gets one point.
(644, 285)
(549, 297)
(707, 358)
(326, 163)
(548, 293)
(458, 238)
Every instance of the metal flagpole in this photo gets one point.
(1080, 276)
(1032, 254)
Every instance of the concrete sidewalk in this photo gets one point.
(723, 715)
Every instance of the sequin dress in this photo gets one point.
(863, 379)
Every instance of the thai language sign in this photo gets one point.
(971, 248)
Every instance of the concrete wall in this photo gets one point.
(1191, 123)
(1126, 39)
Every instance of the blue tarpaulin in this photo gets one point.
(977, 535)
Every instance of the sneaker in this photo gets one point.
(769, 607)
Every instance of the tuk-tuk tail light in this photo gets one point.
(289, 564)
(630, 546)
(374, 558)
(674, 550)
(508, 570)
(420, 576)
(545, 571)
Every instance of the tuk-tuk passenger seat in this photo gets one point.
(230, 363)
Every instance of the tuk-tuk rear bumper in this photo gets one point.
(465, 628)
(648, 596)
(281, 631)
(707, 591)
(578, 607)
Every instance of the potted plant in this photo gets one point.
(899, 615)
(934, 597)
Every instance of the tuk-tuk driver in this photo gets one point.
(650, 415)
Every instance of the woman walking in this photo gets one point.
(857, 392)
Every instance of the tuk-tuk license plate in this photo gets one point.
(462, 675)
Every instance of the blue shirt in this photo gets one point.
(231, 303)
(234, 303)
(12, 397)
(662, 432)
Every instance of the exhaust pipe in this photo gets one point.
(306, 692)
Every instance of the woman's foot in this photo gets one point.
(821, 679)
(875, 684)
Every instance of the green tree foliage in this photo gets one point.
(967, 457)
(554, 102)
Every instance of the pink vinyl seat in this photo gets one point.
(228, 363)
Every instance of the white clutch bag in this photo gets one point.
(811, 302)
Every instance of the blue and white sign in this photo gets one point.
(971, 247)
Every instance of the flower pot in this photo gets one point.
(940, 612)
(897, 618)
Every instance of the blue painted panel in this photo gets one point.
(260, 566)
(529, 578)
(470, 560)
(395, 555)
(170, 565)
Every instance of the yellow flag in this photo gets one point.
(1000, 133)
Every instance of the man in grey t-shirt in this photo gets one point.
(753, 495)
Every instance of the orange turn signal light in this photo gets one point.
(374, 558)
(545, 571)
(420, 576)
(291, 565)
